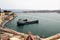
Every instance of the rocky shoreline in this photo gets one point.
(6, 33)
(9, 32)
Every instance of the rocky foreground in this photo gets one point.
(6, 33)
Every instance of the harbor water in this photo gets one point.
(49, 23)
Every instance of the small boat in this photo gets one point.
(25, 22)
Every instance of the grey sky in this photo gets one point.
(30, 4)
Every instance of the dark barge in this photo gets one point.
(25, 22)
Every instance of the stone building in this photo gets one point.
(1, 17)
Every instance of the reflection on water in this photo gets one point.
(49, 23)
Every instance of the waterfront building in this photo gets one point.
(1, 17)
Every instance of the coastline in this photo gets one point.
(6, 21)
(7, 30)
(4, 30)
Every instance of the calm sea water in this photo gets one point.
(49, 23)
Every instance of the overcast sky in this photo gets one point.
(30, 4)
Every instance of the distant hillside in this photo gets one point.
(41, 11)
(33, 11)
